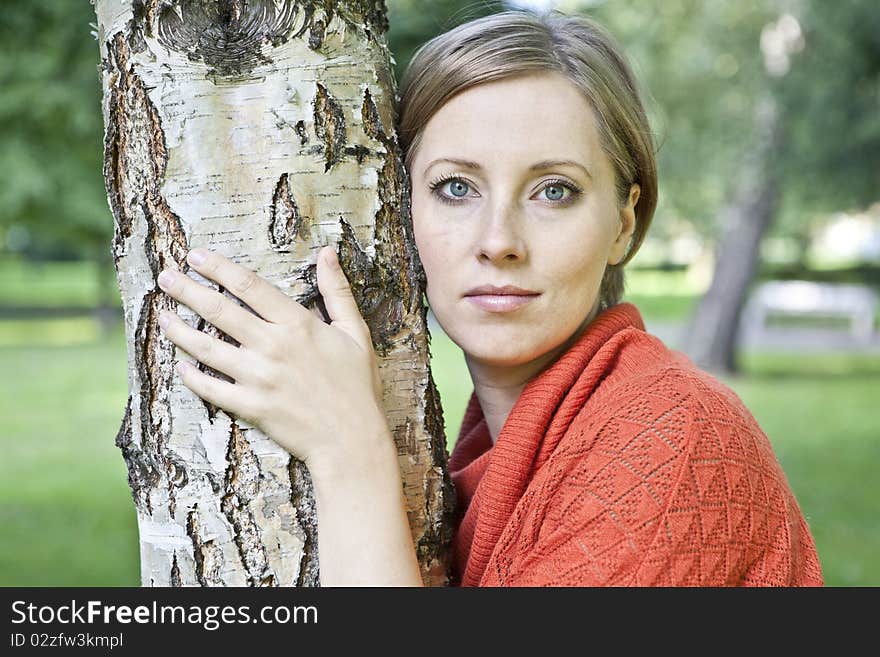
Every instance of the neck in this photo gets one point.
(498, 386)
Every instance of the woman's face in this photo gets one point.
(507, 211)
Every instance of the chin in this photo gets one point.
(494, 357)
(500, 351)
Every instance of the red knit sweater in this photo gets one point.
(623, 464)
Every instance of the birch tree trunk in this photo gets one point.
(261, 129)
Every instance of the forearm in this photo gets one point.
(364, 537)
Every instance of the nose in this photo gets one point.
(500, 236)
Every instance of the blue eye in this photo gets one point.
(557, 188)
(555, 192)
(459, 185)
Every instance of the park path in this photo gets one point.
(674, 335)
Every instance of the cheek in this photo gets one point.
(426, 244)
(434, 242)
(578, 262)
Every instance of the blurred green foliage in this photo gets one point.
(412, 22)
(704, 64)
(52, 190)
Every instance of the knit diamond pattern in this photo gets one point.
(623, 464)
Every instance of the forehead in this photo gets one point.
(514, 121)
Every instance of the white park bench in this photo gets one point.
(857, 303)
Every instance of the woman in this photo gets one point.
(589, 454)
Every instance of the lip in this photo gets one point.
(495, 290)
(494, 299)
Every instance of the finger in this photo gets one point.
(220, 393)
(205, 348)
(216, 308)
(266, 299)
(339, 300)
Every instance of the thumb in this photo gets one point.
(339, 300)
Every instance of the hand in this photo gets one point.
(313, 388)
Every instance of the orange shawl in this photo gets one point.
(623, 464)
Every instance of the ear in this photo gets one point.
(627, 226)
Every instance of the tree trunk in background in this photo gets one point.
(261, 129)
(714, 327)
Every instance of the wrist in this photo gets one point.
(366, 453)
(364, 534)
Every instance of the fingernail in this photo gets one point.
(182, 368)
(196, 257)
(164, 319)
(166, 278)
(330, 258)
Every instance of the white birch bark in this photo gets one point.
(261, 129)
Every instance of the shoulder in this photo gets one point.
(669, 461)
(656, 407)
(650, 383)
(666, 435)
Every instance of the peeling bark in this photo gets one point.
(287, 224)
(261, 129)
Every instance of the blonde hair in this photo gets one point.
(519, 41)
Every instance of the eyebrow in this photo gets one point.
(537, 166)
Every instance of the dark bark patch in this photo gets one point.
(135, 160)
(303, 501)
(175, 571)
(142, 476)
(177, 472)
(114, 145)
(316, 34)
(227, 35)
(329, 126)
(369, 15)
(359, 152)
(154, 384)
(123, 436)
(371, 119)
(435, 543)
(375, 288)
(312, 298)
(207, 554)
(286, 223)
(440, 502)
(242, 489)
(393, 221)
(405, 438)
(300, 130)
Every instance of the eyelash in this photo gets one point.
(440, 181)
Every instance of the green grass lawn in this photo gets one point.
(820, 413)
(68, 517)
(66, 511)
(661, 296)
(24, 283)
